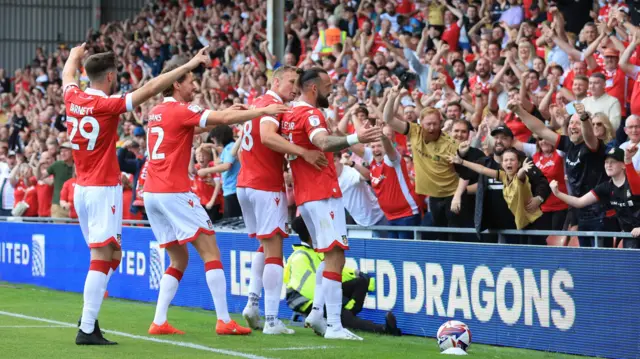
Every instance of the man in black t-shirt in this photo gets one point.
(584, 161)
(621, 192)
(18, 124)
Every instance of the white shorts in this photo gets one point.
(176, 218)
(264, 212)
(100, 214)
(326, 222)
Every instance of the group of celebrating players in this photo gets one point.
(271, 131)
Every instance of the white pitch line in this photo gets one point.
(133, 336)
(33, 326)
(301, 348)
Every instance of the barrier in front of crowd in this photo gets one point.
(547, 298)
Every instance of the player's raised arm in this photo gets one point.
(239, 114)
(158, 84)
(331, 143)
(74, 62)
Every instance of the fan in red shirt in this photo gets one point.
(392, 185)
(208, 188)
(92, 125)
(25, 191)
(44, 187)
(551, 164)
(175, 213)
(66, 197)
(318, 195)
(127, 196)
(262, 198)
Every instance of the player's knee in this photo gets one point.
(117, 255)
(179, 257)
(273, 246)
(207, 247)
(104, 253)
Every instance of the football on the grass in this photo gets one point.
(454, 334)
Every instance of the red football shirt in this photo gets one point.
(171, 131)
(45, 196)
(553, 169)
(300, 126)
(391, 184)
(66, 194)
(204, 187)
(260, 167)
(92, 125)
(27, 192)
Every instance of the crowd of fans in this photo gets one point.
(516, 94)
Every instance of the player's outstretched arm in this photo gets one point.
(331, 143)
(239, 114)
(270, 138)
(72, 65)
(158, 84)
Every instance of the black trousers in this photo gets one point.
(440, 208)
(232, 206)
(214, 213)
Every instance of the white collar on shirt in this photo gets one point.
(92, 91)
(169, 99)
(275, 95)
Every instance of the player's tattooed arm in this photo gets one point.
(329, 143)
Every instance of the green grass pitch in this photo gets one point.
(28, 337)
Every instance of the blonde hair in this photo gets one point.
(608, 127)
(427, 111)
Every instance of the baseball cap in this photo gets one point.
(66, 145)
(611, 52)
(616, 153)
(11, 153)
(502, 129)
(138, 131)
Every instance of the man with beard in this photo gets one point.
(491, 208)
(434, 175)
(584, 161)
(460, 79)
(319, 198)
(482, 77)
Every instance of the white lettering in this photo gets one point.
(235, 285)
(9, 249)
(141, 262)
(536, 298)
(16, 254)
(79, 110)
(384, 268)
(562, 279)
(245, 272)
(482, 274)
(458, 302)
(368, 266)
(25, 254)
(130, 260)
(434, 286)
(411, 271)
(509, 275)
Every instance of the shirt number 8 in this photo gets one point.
(247, 139)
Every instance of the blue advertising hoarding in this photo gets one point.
(546, 298)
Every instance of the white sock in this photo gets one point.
(317, 308)
(333, 295)
(272, 279)
(93, 294)
(168, 288)
(106, 282)
(255, 282)
(218, 288)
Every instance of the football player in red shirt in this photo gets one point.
(318, 195)
(92, 125)
(263, 201)
(175, 213)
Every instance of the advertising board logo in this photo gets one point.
(37, 255)
(156, 265)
